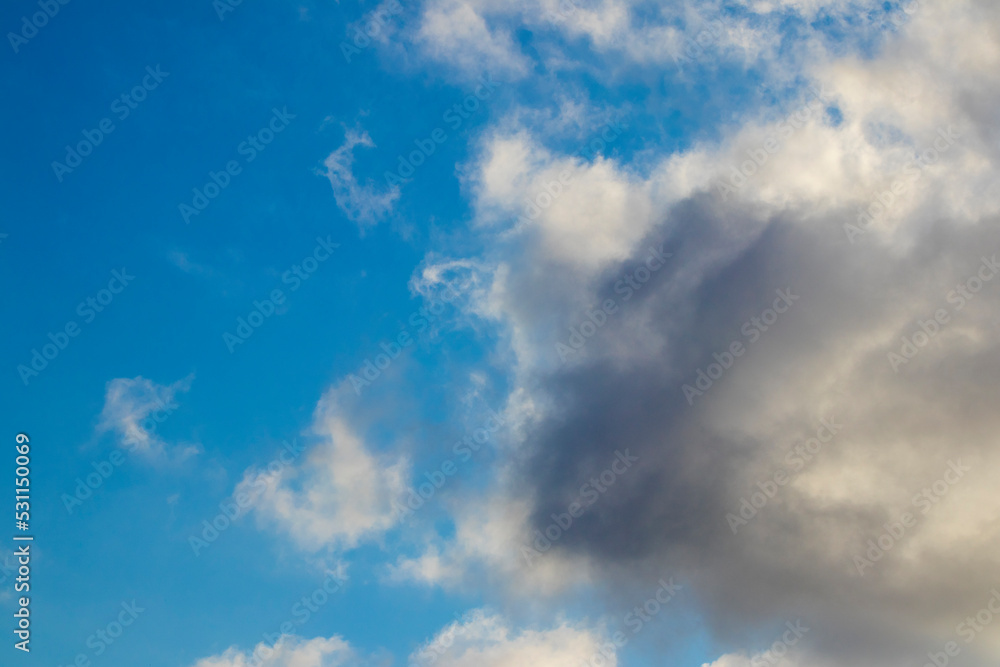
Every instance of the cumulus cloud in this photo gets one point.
(485, 640)
(492, 539)
(133, 409)
(901, 146)
(340, 495)
(784, 657)
(288, 651)
(479, 639)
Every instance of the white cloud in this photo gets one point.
(339, 496)
(935, 73)
(478, 640)
(793, 657)
(482, 640)
(365, 204)
(493, 542)
(288, 651)
(473, 36)
(912, 91)
(133, 408)
(454, 34)
(730, 660)
(585, 214)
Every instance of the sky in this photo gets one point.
(560, 333)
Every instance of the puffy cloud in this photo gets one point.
(790, 657)
(477, 640)
(493, 538)
(730, 660)
(606, 212)
(341, 494)
(912, 143)
(455, 34)
(288, 651)
(134, 407)
(482, 640)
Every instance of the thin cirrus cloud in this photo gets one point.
(365, 204)
(133, 410)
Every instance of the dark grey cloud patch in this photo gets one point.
(824, 357)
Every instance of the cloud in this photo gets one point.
(363, 204)
(477, 640)
(730, 660)
(482, 640)
(134, 407)
(454, 34)
(490, 532)
(608, 210)
(340, 495)
(911, 122)
(792, 657)
(288, 651)
(469, 37)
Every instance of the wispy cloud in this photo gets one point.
(133, 409)
(361, 203)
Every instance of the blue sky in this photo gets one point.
(399, 316)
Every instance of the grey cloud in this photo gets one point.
(696, 462)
